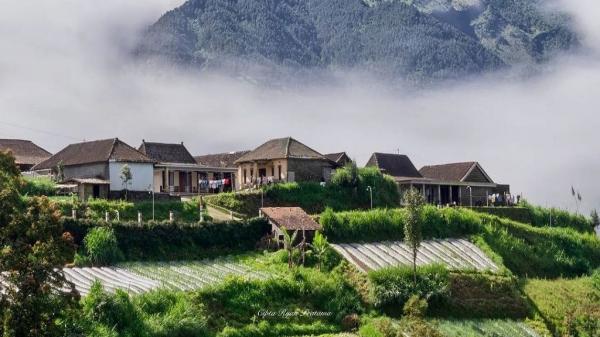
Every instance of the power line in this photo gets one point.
(39, 130)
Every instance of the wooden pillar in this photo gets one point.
(450, 192)
(439, 201)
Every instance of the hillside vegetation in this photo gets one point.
(415, 40)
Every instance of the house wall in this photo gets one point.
(142, 174)
(480, 195)
(310, 169)
(476, 176)
(97, 170)
(254, 168)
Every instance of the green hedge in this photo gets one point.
(347, 190)
(95, 209)
(482, 295)
(519, 214)
(393, 286)
(388, 224)
(541, 216)
(238, 302)
(168, 241)
(526, 250)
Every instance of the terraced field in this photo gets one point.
(139, 277)
(455, 253)
(484, 328)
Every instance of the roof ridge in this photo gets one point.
(287, 147)
(112, 148)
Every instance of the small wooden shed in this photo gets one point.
(292, 219)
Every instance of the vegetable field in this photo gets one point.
(139, 277)
(454, 253)
(484, 328)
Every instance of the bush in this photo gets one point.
(393, 286)
(388, 224)
(38, 187)
(169, 241)
(238, 302)
(101, 246)
(541, 217)
(482, 295)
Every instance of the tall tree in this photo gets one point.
(126, 177)
(413, 201)
(33, 249)
(595, 219)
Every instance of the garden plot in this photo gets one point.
(139, 277)
(484, 328)
(454, 253)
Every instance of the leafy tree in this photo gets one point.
(595, 218)
(33, 248)
(60, 171)
(101, 246)
(413, 235)
(320, 247)
(126, 177)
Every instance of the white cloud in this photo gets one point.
(64, 68)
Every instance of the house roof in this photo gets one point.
(224, 160)
(281, 148)
(24, 151)
(94, 152)
(88, 181)
(451, 171)
(336, 157)
(395, 165)
(292, 218)
(167, 153)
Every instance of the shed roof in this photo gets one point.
(167, 153)
(281, 148)
(224, 160)
(292, 218)
(94, 152)
(338, 157)
(24, 151)
(395, 165)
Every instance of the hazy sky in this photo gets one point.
(65, 75)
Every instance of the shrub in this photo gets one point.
(169, 241)
(101, 246)
(554, 217)
(38, 187)
(393, 286)
(482, 295)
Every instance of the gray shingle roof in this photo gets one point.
(224, 160)
(24, 151)
(167, 153)
(281, 148)
(94, 152)
(395, 165)
(447, 172)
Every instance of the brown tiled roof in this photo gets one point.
(94, 152)
(167, 153)
(292, 218)
(395, 165)
(447, 172)
(281, 148)
(224, 160)
(24, 151)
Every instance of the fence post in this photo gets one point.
(139, 218)
(171, 216)
(231, 213)
(106, 216)
(74, 214)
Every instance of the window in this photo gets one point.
(245, 176)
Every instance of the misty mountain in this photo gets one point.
(417, 40)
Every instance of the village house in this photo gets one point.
(177, 172)
(94, 168)
(282, 160)
(26, 153)
(290, 219)
(464, 183)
